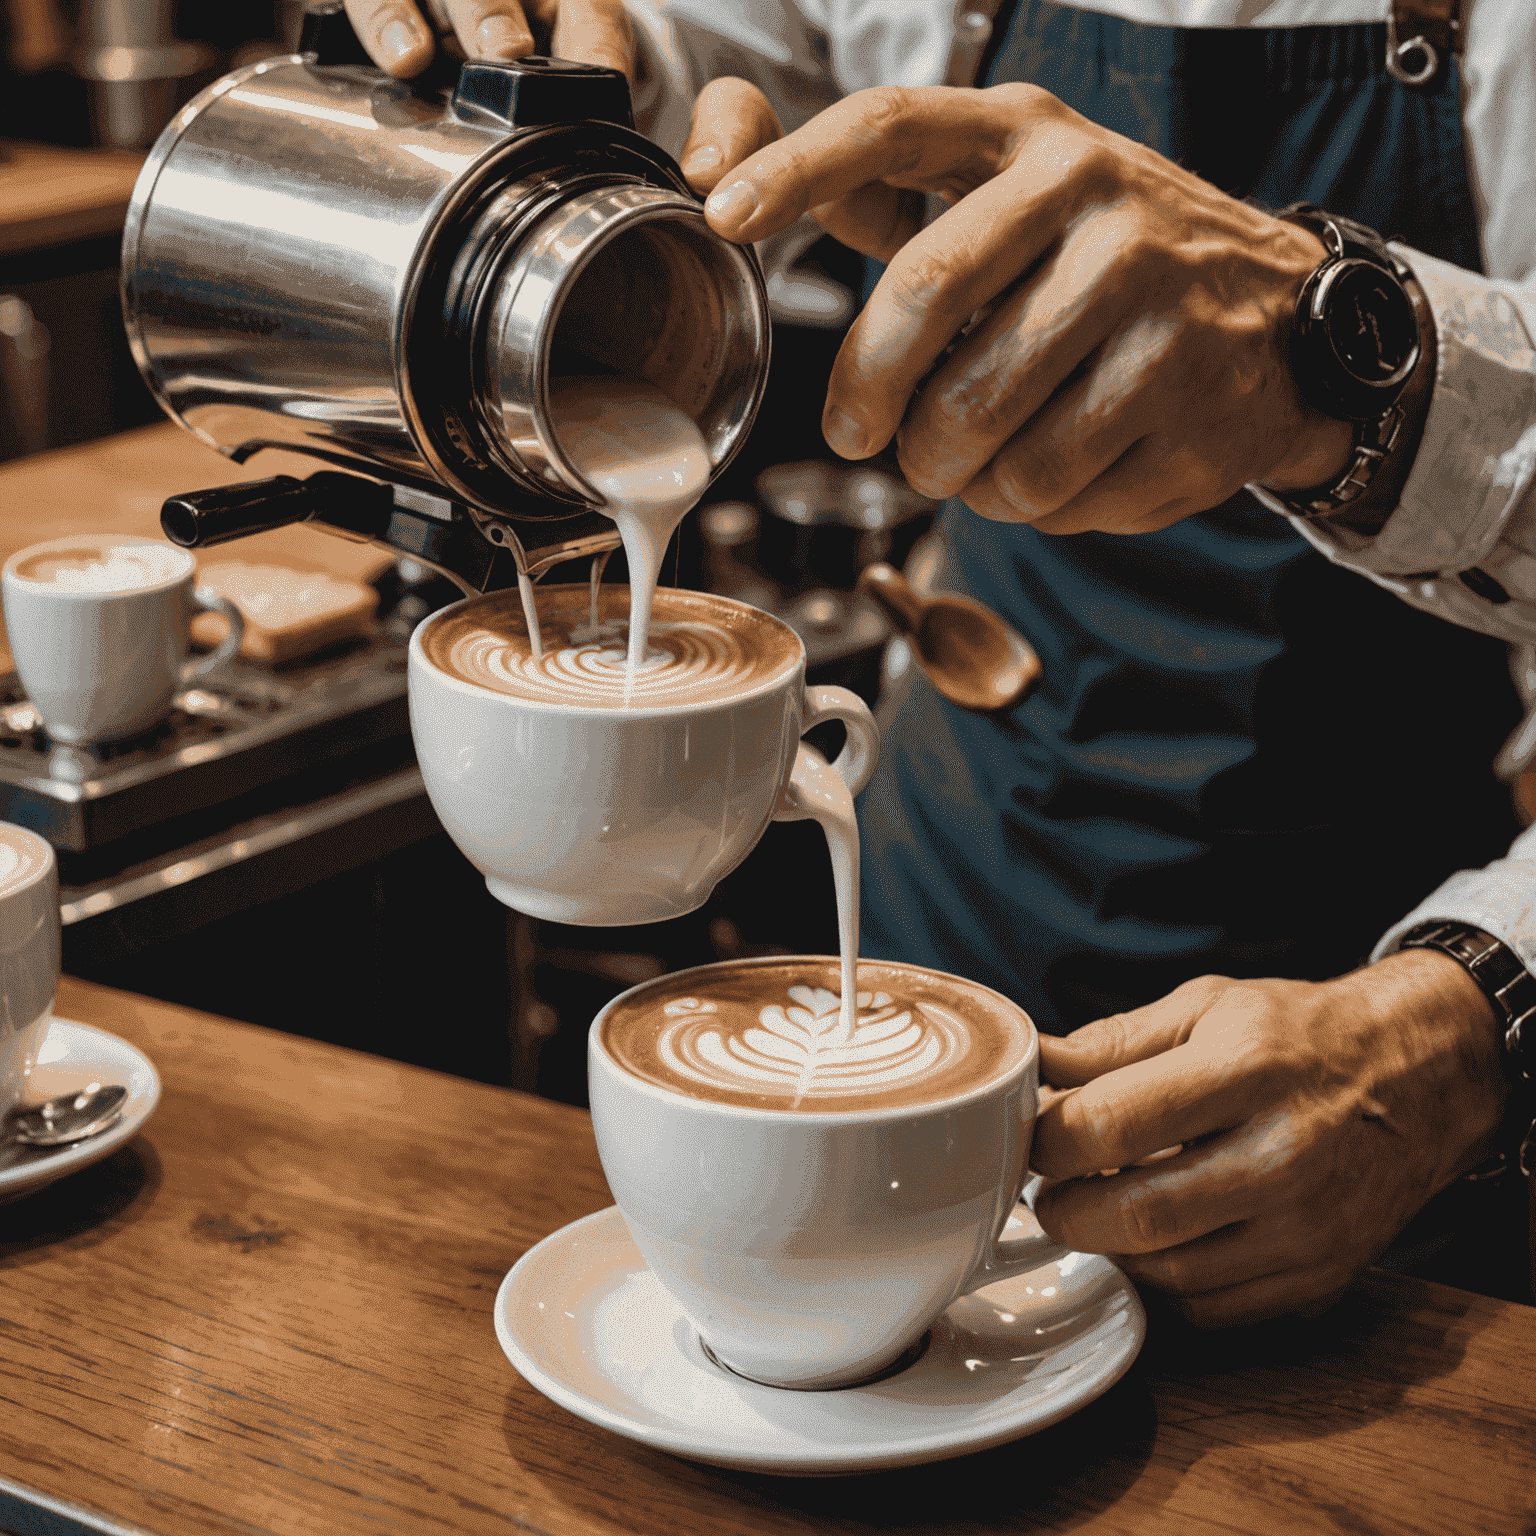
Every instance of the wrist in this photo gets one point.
(1450, 1039)
(1362, 351)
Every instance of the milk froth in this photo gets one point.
(702, 648)
(771, 1034)
(647, 458)
(103, 566)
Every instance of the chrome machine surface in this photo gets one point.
(387, 275)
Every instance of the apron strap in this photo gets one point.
(973, 28)
(1419, 34)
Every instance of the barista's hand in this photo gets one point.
(402, 36)
(1315, 1118)
(1130, 365)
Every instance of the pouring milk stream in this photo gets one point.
(650, 462)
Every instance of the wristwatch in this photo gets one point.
(1354, 344)
(1511, 989)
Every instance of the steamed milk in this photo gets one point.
(21, 858)
(701, 648)
(771, 1035)
(104, 567)
(648, 459)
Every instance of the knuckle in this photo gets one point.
(883, 109)
(1147, 1221)
(918, 282)
(1033, 474)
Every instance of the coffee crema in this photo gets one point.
(767, 1035)
(23, 856)
(103, 567)
(703, 648)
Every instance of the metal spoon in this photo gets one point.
(974, 658)
(65, 1120)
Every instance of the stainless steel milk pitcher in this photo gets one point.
(387, 276)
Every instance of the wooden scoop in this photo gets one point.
(971, 656)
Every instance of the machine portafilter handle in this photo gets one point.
(200, 519)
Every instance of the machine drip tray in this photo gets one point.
(242, 729)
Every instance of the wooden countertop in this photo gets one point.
(271, 1312)
(116, 485)
(52, 196)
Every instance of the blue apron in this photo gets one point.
(1242, 759)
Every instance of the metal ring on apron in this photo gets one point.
(1398, 55)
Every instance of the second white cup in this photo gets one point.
(99, 628)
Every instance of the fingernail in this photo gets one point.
(844, 435)
(398, 39)
(498, 36)
(734, 204)
(705, 158)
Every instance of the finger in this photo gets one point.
(1081, 433)
(1302, 1290)
(1162, 1205)
(596, 32)
(1077, 314)
(1155, 483)
(1068, 1061)
(491, 29)
(1230, 1256)
(394, 33)
(876, 220)
(1189, 1092)
(926, 139)
(731, 121)
(935, 282)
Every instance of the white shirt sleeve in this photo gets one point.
(1500, 899)
(1470, 499)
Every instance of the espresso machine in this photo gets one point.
(387, 275)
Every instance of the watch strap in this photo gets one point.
(1511, 990)
(1374, 440)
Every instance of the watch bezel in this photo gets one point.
(1320, 370)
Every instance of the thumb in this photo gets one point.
(731, 120)
(1069, 1061)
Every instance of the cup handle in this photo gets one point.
(1005, 1257)
(853, 765)
(206, 600)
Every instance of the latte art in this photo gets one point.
(104, 566)
(699, 649)
(770, 1034)
(803, 1051)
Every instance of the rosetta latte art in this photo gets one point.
(802, 1051)
(592, 664)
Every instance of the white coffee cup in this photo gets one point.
(814, 1249)
(102, 651)
(29, 954)
(584, 814)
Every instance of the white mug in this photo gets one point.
(585, 814)
(29, 954)
(814, 1249)
(100, 662)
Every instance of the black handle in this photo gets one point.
(532, 92)
(200, 519)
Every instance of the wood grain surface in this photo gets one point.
(271, 1312)
(51, 195)
(117, 485)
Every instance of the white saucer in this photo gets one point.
(582, 1319)
(73, 1055)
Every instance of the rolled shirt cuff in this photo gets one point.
(1500, 899)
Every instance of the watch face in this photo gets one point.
(1370, 323)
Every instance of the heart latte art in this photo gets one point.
(769, 1034)
(700, 648)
